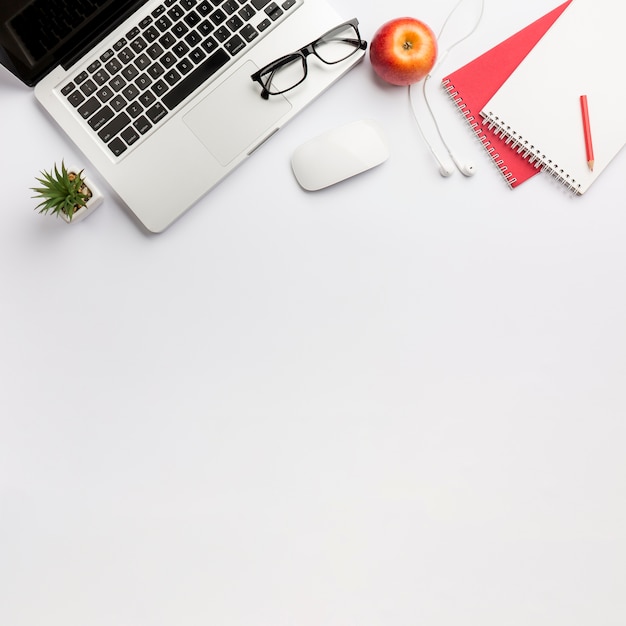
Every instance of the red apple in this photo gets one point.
(403, 51)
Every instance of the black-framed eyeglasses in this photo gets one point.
(287, 72)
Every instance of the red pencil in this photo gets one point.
(587, 131)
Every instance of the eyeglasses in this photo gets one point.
(287, 72)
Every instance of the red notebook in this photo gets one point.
(474, 84)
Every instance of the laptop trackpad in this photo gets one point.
(234, 115)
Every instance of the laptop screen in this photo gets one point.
(37, 35)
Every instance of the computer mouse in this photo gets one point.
(339, 153)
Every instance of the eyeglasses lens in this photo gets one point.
(338, 44)
(284, 74)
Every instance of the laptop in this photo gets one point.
(158, 94)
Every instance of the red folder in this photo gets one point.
(473, 85)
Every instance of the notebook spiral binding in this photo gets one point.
(477, 126)
(529, 152)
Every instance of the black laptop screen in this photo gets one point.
(37, 35)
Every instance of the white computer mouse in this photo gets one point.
(339, 154)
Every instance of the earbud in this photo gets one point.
(467, 169)
(445, 170)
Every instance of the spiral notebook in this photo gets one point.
(537, 109)
(471, 87)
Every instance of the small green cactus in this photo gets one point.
(61, 192)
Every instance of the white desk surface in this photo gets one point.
(397, 402)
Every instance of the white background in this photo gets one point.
(396, 402)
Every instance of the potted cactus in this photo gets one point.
(66, 193)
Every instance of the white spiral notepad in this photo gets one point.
(538, 107)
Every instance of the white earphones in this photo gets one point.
(445, 169)
(467, 169)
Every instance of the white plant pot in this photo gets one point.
(92, 204)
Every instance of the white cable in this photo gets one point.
(465, 169)
(444, 169)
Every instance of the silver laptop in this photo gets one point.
(155, 92)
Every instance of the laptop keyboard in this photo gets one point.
(133, 86)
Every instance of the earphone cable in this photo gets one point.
(427, 78)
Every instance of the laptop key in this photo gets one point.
(118, 103)
(130, 92)
(204, 8)
(134, 109)
(100, 118)
(273, 11)
(168, 40)
(142, 61)
(105, 94)
(235, 23)
(117, 146)
(151, 33)
(138, 44)
(205, 27)
(146, 98)
(88, 87)
(259, 4)
(172, 77)
(185, 66)
(193, 38)
(192, 18)
(89, 107)
(222, 34)
(246, 12)
(209, 45)
(155, 51)
(163, 23)
(197, 55)
(142, 124)
(217, 17)
(143, 81)
(192, 81)
(117, 83)
(67, 90)
(155, 70)
(249, 33)
(175, 13)
(167, 60)
(113, 127)
(76, 98)
(159, 88)
(156, 113)
(113, 66)
(180, 49)
(129, 135)
(101, 77)
(235, 45)
(126, 55)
